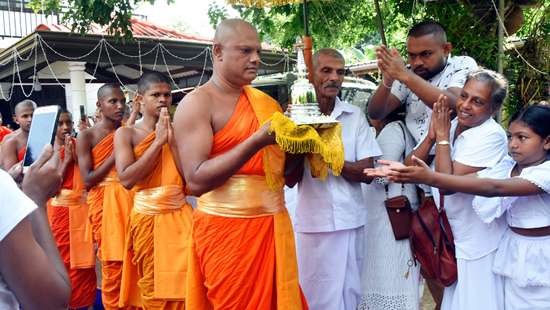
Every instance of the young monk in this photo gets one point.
(160, 222)
(243, 253)
(96, 161)
(68, 215)
(13, 149)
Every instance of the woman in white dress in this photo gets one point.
(390, 280)
(469, 143)
(519, 186)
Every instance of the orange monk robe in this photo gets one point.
(68, 214)
(4, 131)
(109, 204)
(117, 203)
(100, 153)
(242, 254)
(160, 226)
(21, 153)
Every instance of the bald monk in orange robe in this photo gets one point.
(68, 215)
(242, 254)
(105, 194)
(160, 222)
(14, 146)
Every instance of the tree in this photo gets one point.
(471, 27)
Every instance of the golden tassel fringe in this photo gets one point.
(324, 147)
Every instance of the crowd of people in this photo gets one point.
(114, 202)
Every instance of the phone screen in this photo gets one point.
(82, 113)
(42, 132)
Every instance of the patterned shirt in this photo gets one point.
(418, 114)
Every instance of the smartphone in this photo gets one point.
(42, 132)
(82, 113)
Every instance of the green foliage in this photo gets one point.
(216, 13)
(343, 24)
(471, 28)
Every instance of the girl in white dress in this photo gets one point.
(519, 186)
(389, 278)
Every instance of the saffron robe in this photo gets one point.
(160, 226)
(242, 253)
(68, 214)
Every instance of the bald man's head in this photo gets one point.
(236, 51)
(230, 29)
(23, 114)
(24, 105)
(107, 90)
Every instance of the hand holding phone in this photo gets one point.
(42, 133)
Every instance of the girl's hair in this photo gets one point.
(536, 117)
(497, 82)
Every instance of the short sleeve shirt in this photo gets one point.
(14, 207)
(336, 203)
(524, 212)
(418, 114)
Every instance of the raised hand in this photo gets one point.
(69, 149)
(43, 178)
(441, 118)
(390, 63)
(136, 106)
(384, 168)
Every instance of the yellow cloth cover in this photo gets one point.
(324, 147)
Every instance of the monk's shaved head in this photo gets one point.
(23, 105)
(231, 28)
(107, 89)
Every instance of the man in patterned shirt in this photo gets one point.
(432, 71)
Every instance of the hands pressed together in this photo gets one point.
(391, 64)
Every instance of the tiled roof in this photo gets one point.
(140, 28)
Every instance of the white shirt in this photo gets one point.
(14, 207)
(481, 146)
(522, 212)
(418, 113)
(335, 203)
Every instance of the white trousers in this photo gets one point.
(329, 268)
(477, 287)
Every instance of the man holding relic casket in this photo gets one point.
(330, 213)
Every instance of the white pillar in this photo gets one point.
(5, 89)
(78, 88)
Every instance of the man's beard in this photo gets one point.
(427, 74)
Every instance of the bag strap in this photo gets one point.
(386, 188)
